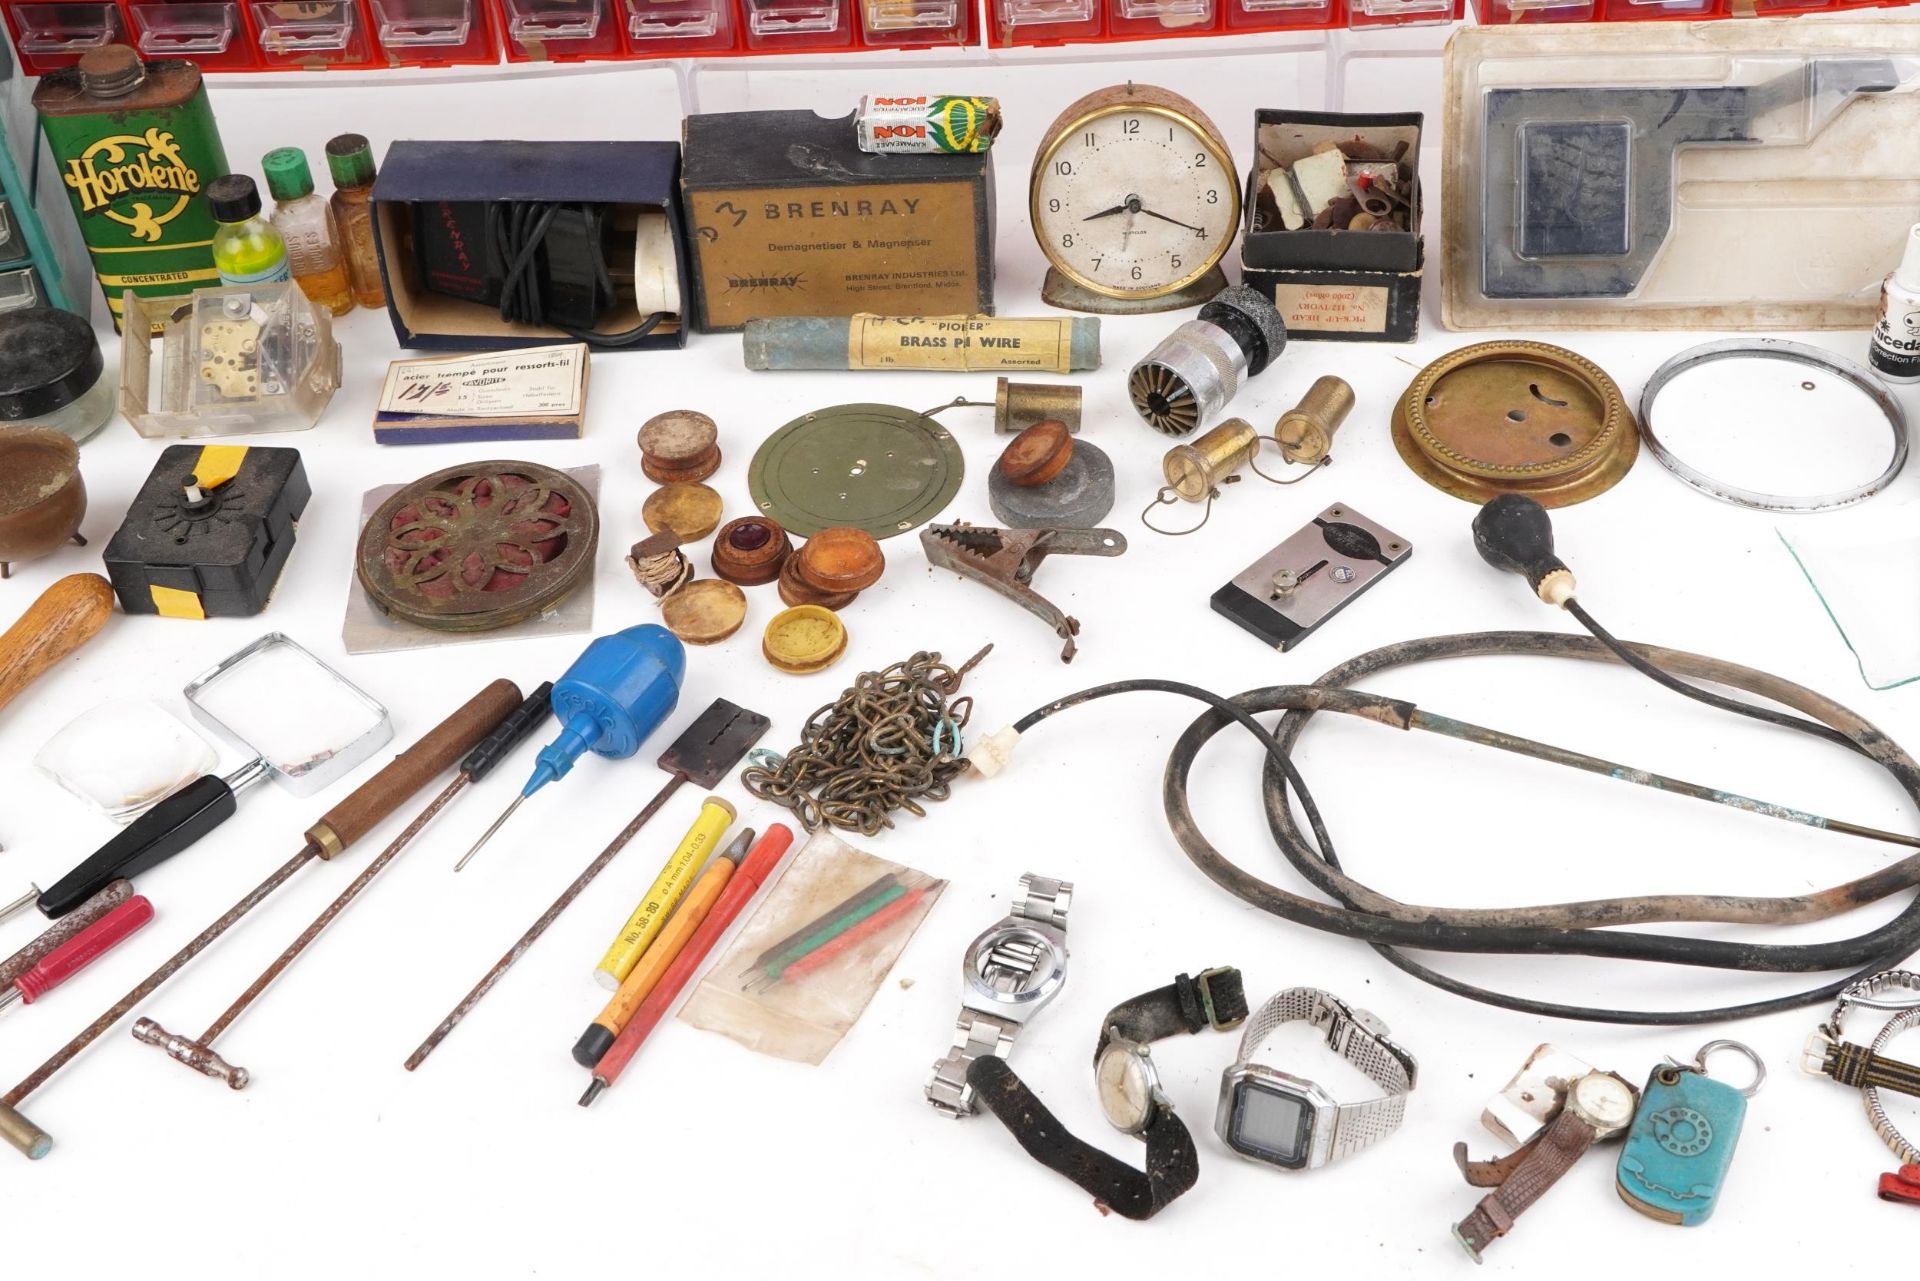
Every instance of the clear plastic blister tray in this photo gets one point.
(1677, 175)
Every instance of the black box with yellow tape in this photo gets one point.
(209, 532)
(1354, 277)
(786, 216)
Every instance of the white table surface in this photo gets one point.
(708, 1159)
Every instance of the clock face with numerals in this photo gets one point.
(1134, 198)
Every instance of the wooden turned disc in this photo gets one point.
(795, 590)
(840, 559)
(689, 510)
(704, 612)
(751, 550)
(1037, 454)
(679, 446)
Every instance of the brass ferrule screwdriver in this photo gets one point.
(371, 804)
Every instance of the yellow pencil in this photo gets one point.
(639, 985)
(667, 890)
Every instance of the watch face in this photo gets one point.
(1270, 1123)
(1602, 1100)
(1126, 1080)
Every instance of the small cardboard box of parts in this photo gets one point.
(786, 216)
(1333, 223)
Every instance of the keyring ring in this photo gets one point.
(1753, 1057)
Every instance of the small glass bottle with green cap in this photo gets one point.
(350, 160)
(247, 250)
(304, 221)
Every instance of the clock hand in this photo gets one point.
(1107, 213)
(1175, 221)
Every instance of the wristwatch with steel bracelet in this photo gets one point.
(1272, 1116)
(1008, 975)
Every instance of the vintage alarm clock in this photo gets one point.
(1135, 200)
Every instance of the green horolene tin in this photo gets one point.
(136, 146)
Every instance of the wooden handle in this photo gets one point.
(440, 749)
(67, 616)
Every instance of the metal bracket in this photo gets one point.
(1005, 560)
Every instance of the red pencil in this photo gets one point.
(860, 933)
(758, 866)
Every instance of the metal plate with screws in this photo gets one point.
(880, 468)
(1313, 575)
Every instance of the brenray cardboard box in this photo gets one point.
(786, 216)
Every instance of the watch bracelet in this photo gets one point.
(1386, 1064)
(1870, 1096)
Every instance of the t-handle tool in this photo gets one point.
(198, 1053)
(705, 753)
(78, 952)
(341, 827)
(612, 698)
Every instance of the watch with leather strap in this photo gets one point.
(1128, 1083)
(1599, 1106)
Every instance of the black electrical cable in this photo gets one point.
(1363, 915)
(518, 229)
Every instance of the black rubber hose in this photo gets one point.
(1431, 930)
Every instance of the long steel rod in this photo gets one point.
(121, 1008)
(1470, 733)
(547, 918)
(333, 909)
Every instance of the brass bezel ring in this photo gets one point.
(1589, 471)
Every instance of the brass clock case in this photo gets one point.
(1516, 418)
(1143, 100)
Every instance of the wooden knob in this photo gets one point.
(751, 550)
(1037, 454)
(840, 559)
(679, 445)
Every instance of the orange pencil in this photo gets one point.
(638, 985)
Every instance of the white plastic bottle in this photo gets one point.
(1894, 350)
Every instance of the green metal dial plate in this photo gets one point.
(880, 468)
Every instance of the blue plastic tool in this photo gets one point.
(613, 697)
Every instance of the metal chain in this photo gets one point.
(887, 743)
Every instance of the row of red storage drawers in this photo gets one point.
(269, 35)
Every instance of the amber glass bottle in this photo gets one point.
(350, 159)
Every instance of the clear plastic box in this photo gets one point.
(66, 30)
(1401, 13)
(1160, 17)
(538, 23)
(678, 21)
(424, 24)
(1678, 175)
(226, 361)
(13, 243)
(20, 289)
(317, 26)
(919, 22)
(185, 30)
(774, 24)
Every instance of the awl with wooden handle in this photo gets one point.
(68, 615)
(344, 824)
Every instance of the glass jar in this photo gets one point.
(52, 373)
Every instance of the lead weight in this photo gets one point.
(1683, 1138)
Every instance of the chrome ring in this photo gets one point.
(1773, 349)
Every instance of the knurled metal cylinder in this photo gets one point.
(1191, 376)
(1305, 432)
(1196, 469)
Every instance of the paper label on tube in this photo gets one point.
(960, 343)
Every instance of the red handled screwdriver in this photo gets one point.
(80, 951)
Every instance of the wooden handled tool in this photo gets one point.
(375, 799)
(67, 615)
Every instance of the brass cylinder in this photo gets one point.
(1305, 432)
(1196, 469)
(1018, 406)
(24, 1135)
